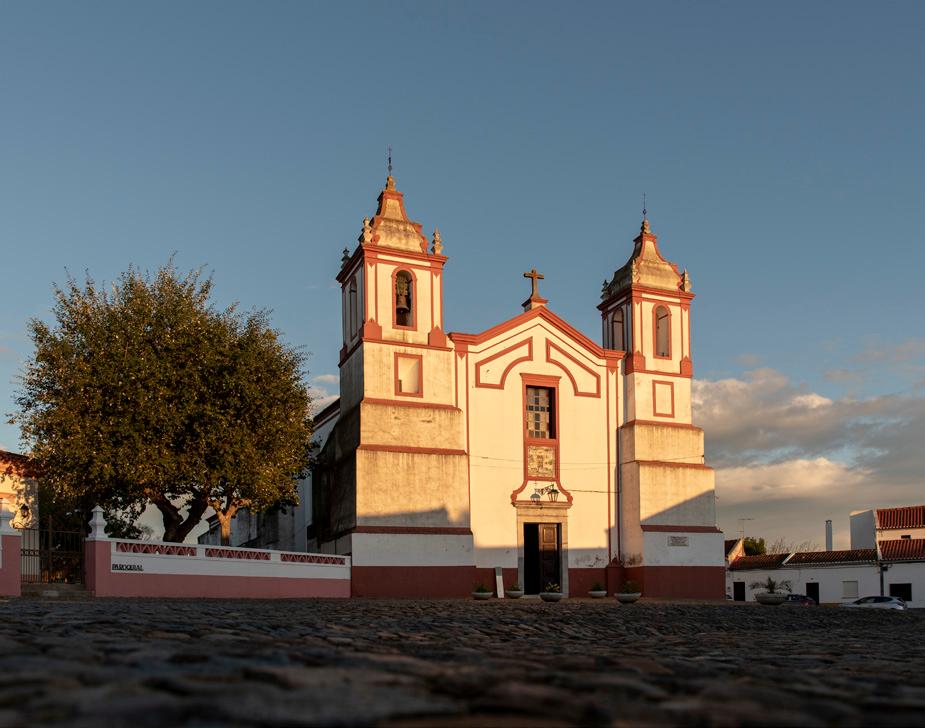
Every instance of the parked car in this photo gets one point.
(877, 603)
(798, 600)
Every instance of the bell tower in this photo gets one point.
(397, 456)
(666, 492)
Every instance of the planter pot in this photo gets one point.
(627, 598)
(482, 596)
(551, 596)
(514, 593)
(772, 600)
(597, 594)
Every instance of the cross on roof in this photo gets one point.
(535, 276)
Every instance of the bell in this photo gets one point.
(401, 303)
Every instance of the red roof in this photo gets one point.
(903, 549)
(16, 465)
(851, 556)
(766, 561)
(908, 517)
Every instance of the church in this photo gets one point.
(528, 448)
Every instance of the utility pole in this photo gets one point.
(742, 526)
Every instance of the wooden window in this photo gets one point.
(404, 299)
(541, 420)
(618, 338)
(662, 332)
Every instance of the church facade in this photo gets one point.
(528, 448)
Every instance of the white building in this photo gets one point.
(885, 524)
(528, 448)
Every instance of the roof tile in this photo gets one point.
(849, 556)
(907, 517)
(765, 561)
(903, 549)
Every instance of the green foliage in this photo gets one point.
(481, 589)
(552, 588)
(630, 587)
(771, 586)
(515, 587)
(754, 546)
(146, 393)
(597, 586)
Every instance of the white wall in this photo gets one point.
(829, 578)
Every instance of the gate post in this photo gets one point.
(97, 555)
(10, 555)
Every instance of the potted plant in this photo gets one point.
(552, 593)
(514, 591)
(629, 593)
(598, 591)
(482, 592)
(773, 593)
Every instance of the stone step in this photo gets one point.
(69, 592)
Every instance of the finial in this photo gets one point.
(345, 256)
(389, 181)
(643, 205)
(438, 243)
(367, 236)
(685, 281)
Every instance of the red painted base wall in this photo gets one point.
(680, 582)
(417, 582)
(10, 579)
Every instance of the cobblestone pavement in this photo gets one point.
(415, 663)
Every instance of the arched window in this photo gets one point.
(662, 332)
(618, 339)
(352, 296)
(404, 299)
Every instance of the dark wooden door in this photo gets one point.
(738, 591)
(812, 591)
(549, 554)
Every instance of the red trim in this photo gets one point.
(679, 582)
(408, 403)
(420, 360)
(411, 450)
(635, 290)
(413, 582)
(386, 255)
(551, 382)
(414, 298)
(597, 378)
(436, 530)
(681, 529)
(549, 317)
(655, 411)
(655, 308)
(408, 344)
(508, 350)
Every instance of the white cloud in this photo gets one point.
(326, 379)
(791, 458)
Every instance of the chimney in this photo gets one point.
(828, 535)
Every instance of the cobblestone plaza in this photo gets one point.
(415, 663)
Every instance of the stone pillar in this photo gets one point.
(10, 555)
(97, 555)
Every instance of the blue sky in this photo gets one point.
(780, 147)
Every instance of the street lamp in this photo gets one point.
(550, 491)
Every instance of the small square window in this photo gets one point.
(408, 379)
(849, 590)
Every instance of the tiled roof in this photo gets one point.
(14, 464)
(851, 556)
(766, 561)
(903, 549)
(908, 517)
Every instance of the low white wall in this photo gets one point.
(204, 560)
(912, 573)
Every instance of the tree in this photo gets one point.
(771, 586)
(147, 393)
(783, 546)
(754, 546)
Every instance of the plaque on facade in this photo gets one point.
(541, 461)
(679, 541)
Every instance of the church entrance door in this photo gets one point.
(542, 560)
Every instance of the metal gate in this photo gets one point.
(52, 557)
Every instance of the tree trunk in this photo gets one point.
(224, 517)
(176, 528)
